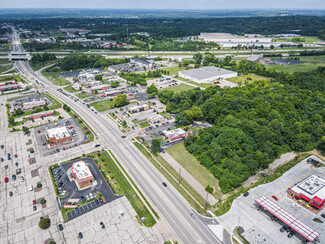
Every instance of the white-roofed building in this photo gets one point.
(207, 74)
(33, 104)
(82, 174)
(174, 134)
(157, 118)
(58, 135)
(138, 108)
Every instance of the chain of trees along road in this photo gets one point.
(254, 124)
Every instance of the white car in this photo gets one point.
(31, 187)
(22, 178)
(91, 196)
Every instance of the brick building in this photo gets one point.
(82, 174)
(58, 135)
(42, 114)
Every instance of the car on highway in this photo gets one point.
(34, 202)
(34, 208)
(80, 235)
(1, 159)
(164, 184)
(102, 225)
(246, 194)
(6, 180)
(76, 210)
(11, 194)
(192, 215)
(2, 146)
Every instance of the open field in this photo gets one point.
(311, 63)
(308, 39)
(69, 89)
(174, 70)
(193, 166)
(243, 79)
(103, 105)
(40, 65)
(82, 95)
(171, 174)
(55, 79)
(179, 88)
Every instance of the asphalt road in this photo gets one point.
(171, 207)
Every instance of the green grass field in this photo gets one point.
(308, 39)
(247, 78)
(122, 186)
(179, 88)
(69, 89)
(174, 70)
(103, 105)
(82, 95)
(55, 79)
(204, 85)
(310, 63)
(144, 124)
(193, 166)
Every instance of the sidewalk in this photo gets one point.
(189, 178)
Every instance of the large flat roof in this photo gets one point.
(58, 132)
(81, 170)
(303, 229)
(312, 186)
(206, 72)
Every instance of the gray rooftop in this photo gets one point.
(206, 72)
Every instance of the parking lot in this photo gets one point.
(69, 185)
(77, 135)
(15, 102)
(161, 83)
(157, 129)
(257, 225)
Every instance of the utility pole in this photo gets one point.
(179, 176)
(206, 203)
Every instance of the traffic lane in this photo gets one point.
(110, 142)
(188, 229)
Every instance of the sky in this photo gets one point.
(166, 4)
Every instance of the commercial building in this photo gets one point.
(259, 44)
(156, 119)
(174, 134)
(143, 63)
(100, 87)
(259, 59)
(310, 193)
(33, 104)
(82, 174)
(207, 74)
(227, 37)
(58, 135)
(42, 114)
(9, 86)
(138, 108)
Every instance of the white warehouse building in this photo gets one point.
(207, 74)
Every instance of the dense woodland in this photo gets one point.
(161, 28)
(253, 124)
(75, 62)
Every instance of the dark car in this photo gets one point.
(1, 159)
(75, 188)
(102, 225)
(11, 194)
(60, 227)
(123, 136)
(2, 146)
(80, 235)
(96, 201)
(97, 145)
(283, 229)
(83, 199)
(323, 215)
(77, 210)
(16, 164)
(164, 184)
(245, 194)
(291, 234)
(58, 150)
(34, 208)
(13, 177)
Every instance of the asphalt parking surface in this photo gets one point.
(155, 131)
(29, 98)
(101, 187)
(79, 139)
